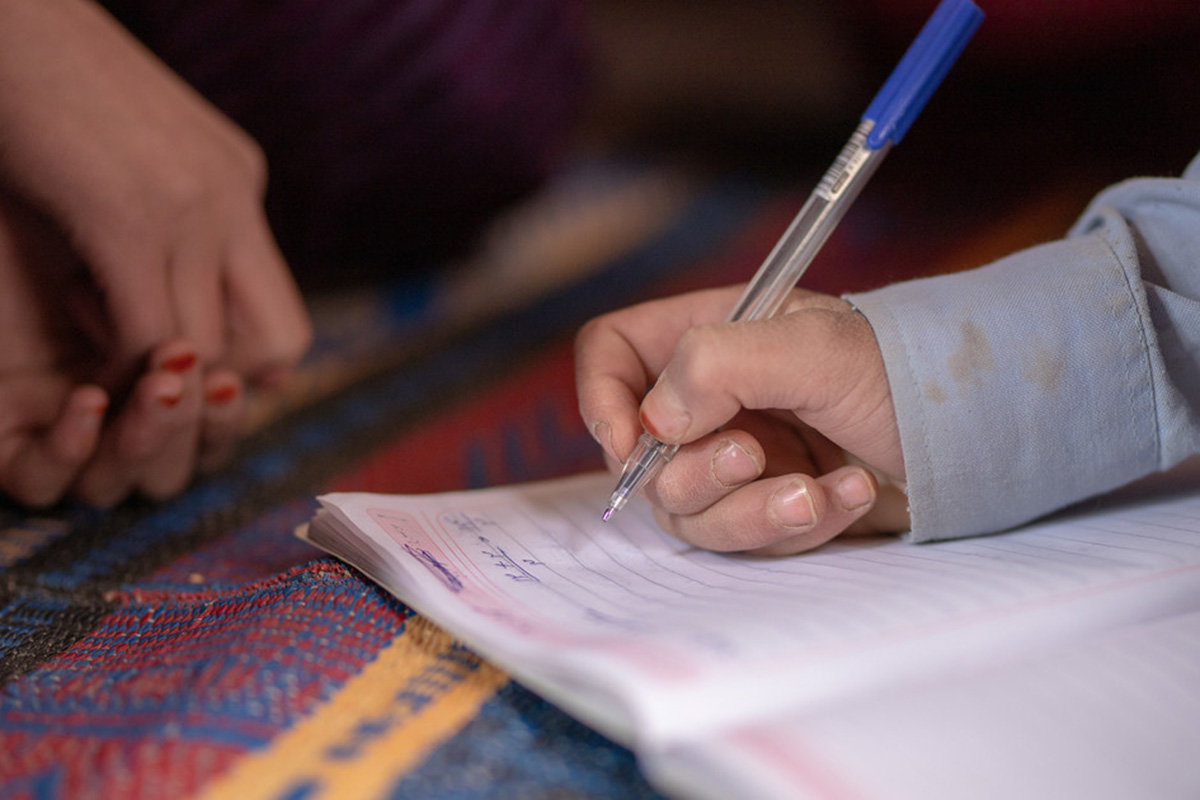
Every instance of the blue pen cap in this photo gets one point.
(919, 72)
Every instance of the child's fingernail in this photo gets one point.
(673, 418)
(853, 491)
(732, 465)
(602, 433)
(221, 395)
(180, 364)
(792, 506)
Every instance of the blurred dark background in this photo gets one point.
(1079, 92)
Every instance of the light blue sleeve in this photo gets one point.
(1052, 375)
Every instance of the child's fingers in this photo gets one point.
(850, 493)
(779, 516)
(705, 471)
(888, 515)
(822, 363)
(40, 458)
(618, 355)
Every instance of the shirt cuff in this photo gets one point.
(1020, 387)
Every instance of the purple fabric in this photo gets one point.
(392, 127)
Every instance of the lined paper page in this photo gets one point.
(632, 630)
(1109, 717)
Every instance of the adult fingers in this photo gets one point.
(151, 412)
(269, 328)
(162, 456)
(222, 419)
(197, 294)
(47, 434)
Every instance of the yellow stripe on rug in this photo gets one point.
(421, 690)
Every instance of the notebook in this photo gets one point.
(1062, 659)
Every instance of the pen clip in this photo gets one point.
(919, 72)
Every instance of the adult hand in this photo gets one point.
(157, 193)
(786, 424)
(55, 437)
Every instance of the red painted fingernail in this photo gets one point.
(170, 400)
(93, 413)
(221, 395)
(180, 363)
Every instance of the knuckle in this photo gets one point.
(586, 332)
(672, 491)
(681, 527)
(758, 538)
(238, 156)
(709, 533)
(590, 332)
(744, 539)
(184, 192)
(595, 412)
(233, 179)
(822, 324)
(696, 361)
(253, 160)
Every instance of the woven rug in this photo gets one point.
(195, 648)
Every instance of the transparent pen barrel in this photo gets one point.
(642, 465)
(811, 227)
(775, 278)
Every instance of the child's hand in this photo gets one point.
(776, 418)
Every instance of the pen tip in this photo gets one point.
(608, 512)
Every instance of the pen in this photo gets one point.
(883, 124)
